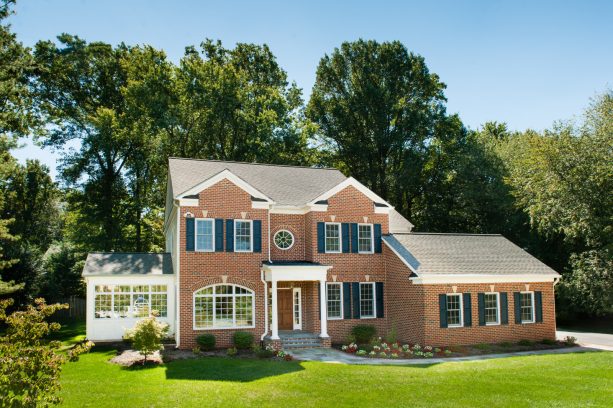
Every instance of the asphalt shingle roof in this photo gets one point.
(286, 185)
(127, 263)
(432, 254)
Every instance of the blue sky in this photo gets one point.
(527, 63)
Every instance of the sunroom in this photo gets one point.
(125, 287)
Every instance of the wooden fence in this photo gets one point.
(75, 311)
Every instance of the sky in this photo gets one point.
(526, 63)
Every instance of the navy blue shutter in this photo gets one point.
(538, 306)
(345, 236)
(346, 300)
(378, 238)
(354, 237)
(229, 235)
(442, 305)
(481, 298)
(517, 301)
(504, 308)
(218, 235)
(321, 237)
(257, 236)
(355, 293)
(379, 292)
(468, 310)
(190, 231)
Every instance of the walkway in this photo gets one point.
(596, 340)
(334, 356)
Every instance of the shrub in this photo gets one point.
(264, 353)
(482, 346)
(363, 333)
(206, 341)
(196, 350)
(392, 335)
(243, 340)
(232, 351)
(506, 344)
(525, 342)
(548, 342)
(570, 341)
(147, 336)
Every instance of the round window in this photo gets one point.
(284, 239)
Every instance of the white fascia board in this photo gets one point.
(128, 279)
(350, 181)
(404, 261)
(479, 278)
(188, 202)
(382, 210)
(290, 209)
(295, 272)
(223, 175)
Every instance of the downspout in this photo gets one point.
(266, 285)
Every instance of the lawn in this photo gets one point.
(578, 379)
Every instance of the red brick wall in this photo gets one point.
(294, 223)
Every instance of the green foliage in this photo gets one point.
(549, 342)
(242, 340)
(392, 336)
(525, 342)
(206, 341)
(147, 336)
(232, 351)
(363, 333)
(31, 365)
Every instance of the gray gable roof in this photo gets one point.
(432, 254)
(286, 185)
(399, 224)
(118, 263)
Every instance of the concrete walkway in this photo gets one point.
(595, 340)
(334, 356)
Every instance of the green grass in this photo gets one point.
(578, 379)
(71, 332)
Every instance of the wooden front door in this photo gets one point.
(284, 309)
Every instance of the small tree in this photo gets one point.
(30, 366)
(147, 336)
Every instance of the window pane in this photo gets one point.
(491, 308)
(244, 315)
(223, 306)
(159, 304)
(453, 310)
(122, 304)
(223, 311)
(364, 238)
(204, 235)
(367, 300)
(526, 307)
(203, 312)
(102, 306)
(333, 238)
(242, 236)
(140, 304)
(334, 300)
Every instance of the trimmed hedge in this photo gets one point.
(206, 341)
(242, 340)
(363, 333)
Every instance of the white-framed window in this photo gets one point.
(334, 300)
(365, 239)
(367, 300)
(526, 300)
(130, 301)
(243, 235)
(284, 239)
(492, 308)
(454, 310)
(223, 307)
(333, 237)
(205, 235)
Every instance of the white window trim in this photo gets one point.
(234, 327)
(340, 238)
(372, 239)
(250, 237)
(340, 284)
(374, 300)
(532, 308)
(297, 326)
(497, 322)
(196, 235)
(461, 296)
(274, 239)
(131, 294)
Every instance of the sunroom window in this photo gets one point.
(130, 301)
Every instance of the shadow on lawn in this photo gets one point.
(228, 369)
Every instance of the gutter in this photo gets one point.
(266, 285)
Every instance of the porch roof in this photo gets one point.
(294, 271)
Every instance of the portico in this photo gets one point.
(283, 295)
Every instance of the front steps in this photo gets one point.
(292, 340)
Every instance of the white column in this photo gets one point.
(323, 308)
(275, 320)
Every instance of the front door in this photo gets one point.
(285, 312)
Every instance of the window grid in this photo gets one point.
(367, 300)
(297, 304)
(205, 235)
(333, 237)
(223, 306)
(284, 239)
(365, 238)
(527, 307)
(242, 236)
(129, 301)
(334, 301)
(491, 308)
(454, 310)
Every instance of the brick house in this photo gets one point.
(299, 255)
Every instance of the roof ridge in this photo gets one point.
(448, 233)
(255, 164)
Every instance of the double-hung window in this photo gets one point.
(243, 236)
(367, 300)
(492, 308)
(365, 239)
(205, 235)
(335, 300)
(527, 307)
(454, 310)
(333, 237)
